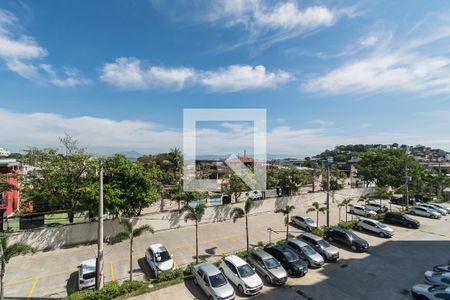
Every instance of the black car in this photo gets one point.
(347, 238)
(289, 260)
(397, 218)
(401, 201)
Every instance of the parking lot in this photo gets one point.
(388, 271)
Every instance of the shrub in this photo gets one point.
(348, 224)
(320, 231)
(244, 254)
(110, 290)
(281, 242)
(170, 275)
(188, 270)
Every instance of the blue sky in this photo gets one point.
(118, 74)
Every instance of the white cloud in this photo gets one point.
(19, 52)
(397, 64)
(128, 73)
(241, 77)
(322, 122)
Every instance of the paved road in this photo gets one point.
(390, 262)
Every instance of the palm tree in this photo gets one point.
(340, 205)
(129, 234)
(7, 252)
(317, 208)
(286, 211)
(346, 202)
(194, 214)
(238, 212)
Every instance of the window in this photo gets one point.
(200, 273)
(217, 280)
(163, 256)
(272, 263)
(245, 271)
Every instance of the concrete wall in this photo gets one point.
(84, 233)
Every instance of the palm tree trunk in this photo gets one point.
(317, 218)
(196, 241)
(346, 212)
(339, 214)
(246, 230)
(287, 227)
(131, 259)
(2, 275)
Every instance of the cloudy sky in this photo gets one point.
(118, 74)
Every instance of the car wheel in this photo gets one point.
(241, 289)
(410, 226)
(368, 215)
(352, 212)
(330, 238)
(267, 278)
(195, 281)
(353, 248)
(308, 229)
(211, 298)
(412, 212)
(382, 234)
(289, 271)
(360, 228)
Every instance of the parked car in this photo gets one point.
(209, 278)
(377, 207)
(270, 268)
(306, 252)
(375, 227)
(430, 292)
(347, 238)
(401, 201)
(442, 206)
(290, 261)
(424, 212)
(241, 274)
(87, 272)
(255, 195)
(362, 211)
(423, 198)
(433, 207)
(159, 259)
(441, 268)
(305, 223)
(329, 252)
(397, 218)
(438, 278)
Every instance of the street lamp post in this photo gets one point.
(99, 277)
(329, 163)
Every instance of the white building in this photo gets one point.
(4, 152)
(447, 157)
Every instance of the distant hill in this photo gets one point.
(132, 155)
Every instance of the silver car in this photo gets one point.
(442, 207)
(437, 278)
(268, 267)
(329, 252)
(434, 207)
(424, 212)
(209, 278)
(305, 223)
(306, 252)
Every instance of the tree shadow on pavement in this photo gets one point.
(71, 285)
(196, 291)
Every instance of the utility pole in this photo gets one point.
(406, 188)
(99, 278)
(329, 162)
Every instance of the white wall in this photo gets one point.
(84, 233)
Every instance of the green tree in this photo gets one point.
(194, 214)
(5, 186)
(291, 178)
(6, 253)
(236, 187)
(238, 212)
(337, 178)
(59, 179)
(129, 234)
(286, 211)
(315, 207)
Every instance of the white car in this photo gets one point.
(438, 278)
(376, 227)
(159, 259)
(255, 195)
(362, 211)
(377, 207)
(241, 274)
(87, 273)
(433, 208)
(430, 292)
(305, 223)
(424, 212)
(442, 206)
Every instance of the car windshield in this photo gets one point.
(381, 225)
(217, 280)
(323, 243)
(245, 271)
(436, 289)
(291, 256)
(309, 221)
(271, 263)
(308, 250)
(163, 256)
(352, 236)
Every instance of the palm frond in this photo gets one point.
(310, 210)
(128, 225)
(15, 250)
(121, 236)
(237, 213)
(140, 230)
(249, 204)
